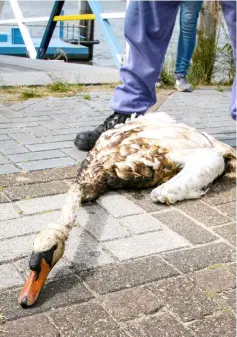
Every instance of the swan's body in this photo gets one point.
(149, 151)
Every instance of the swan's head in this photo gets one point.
(49, 247)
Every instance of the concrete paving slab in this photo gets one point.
(8, 211)
(24, 71)
(39, 205)
(146, 244)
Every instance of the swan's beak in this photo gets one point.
(34, 284)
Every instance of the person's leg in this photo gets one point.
(189, 13)
(148, 29)
(229, 11)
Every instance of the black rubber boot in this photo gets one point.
(85, 141)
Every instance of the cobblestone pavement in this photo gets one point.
(39, 134)
(138, 269)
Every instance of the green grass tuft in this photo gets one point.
(88, 97)
(30, 93)
(59, 87)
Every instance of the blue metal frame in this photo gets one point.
(104, 24)
(58, 5)
(108, 33)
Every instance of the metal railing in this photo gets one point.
(98, 14)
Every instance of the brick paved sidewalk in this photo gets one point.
(39, 134)
(138, 269)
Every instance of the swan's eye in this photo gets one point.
(55, 246)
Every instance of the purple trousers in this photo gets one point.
(148, 29)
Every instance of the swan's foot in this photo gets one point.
(167, 194)
(161, 194)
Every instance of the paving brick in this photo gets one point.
(129, 274)
(231, 142)
(53, 124)
(61, 269)
(3, 160)
(40, 131)
(4, 119)
(232, 268)
(119, 206)
(214, 280)
(10, 147)
(142, 199)
(9, 276)
(34, 326)
(201, 257)
(183, 298)
(203, 213)
(227, 301)
(223, 325)
(47, 163)
(36, 113)
(50, 146)
(163, 326)
(142, 223)
(228, 209)
(185, 227)
(17, 158)
(228, 232)
(25, 138)
(72, 131)
(3, 198)
(36, 190)
(67, 172)
(84, 251)
(6, 111)
(7, 212)
(16, 248)
(6, 131)
(81, 124)
(58, 138)
(22, 105)
(64, 118)
(131, 303)
(223, 191)
(24, 178)
(75, 154)
(146, 244)
(39, 205)
(83, 320)
(17, 125)
(98, 222)
(8, 168)
(4, 137)
(26, 225)
(31, 119)
(56, 293)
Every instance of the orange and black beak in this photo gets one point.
(40, 265)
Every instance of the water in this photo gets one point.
(102, 56)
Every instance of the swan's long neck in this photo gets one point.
(69, 212)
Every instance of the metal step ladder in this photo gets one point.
(102, 19)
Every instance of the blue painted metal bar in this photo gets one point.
(108, 33)
(58, 5)
(61, 28)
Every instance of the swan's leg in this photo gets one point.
(200, 169)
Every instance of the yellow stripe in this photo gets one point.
(74, 17)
